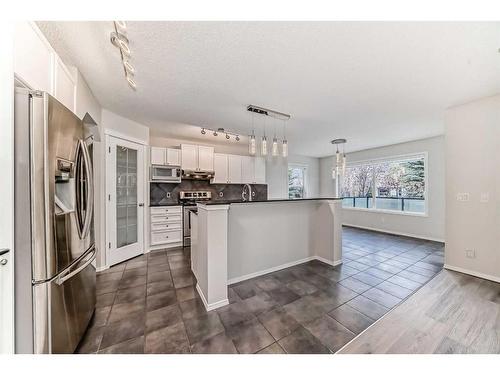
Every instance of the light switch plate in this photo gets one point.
(485, 197)
(470, 253)
(463, 197)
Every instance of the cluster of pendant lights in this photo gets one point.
(252, 142)
(340, 158)
(119, 40)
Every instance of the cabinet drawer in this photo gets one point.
(158, 238)
(166, 218)
(163, 226)
(166, 210)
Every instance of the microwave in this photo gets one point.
(163, 173)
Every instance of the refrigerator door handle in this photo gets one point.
(90, 188)
(68, 274)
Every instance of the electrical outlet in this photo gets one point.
(463, 197)
(221, 194)
(470, 253)
(485, 197)
(168, 195)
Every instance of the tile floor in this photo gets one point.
(149, 305)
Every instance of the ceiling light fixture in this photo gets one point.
(263, 147)
(251, 141)
(226, 133)
(275, 142)
(284, 146)
(340, 164)
(120, 40)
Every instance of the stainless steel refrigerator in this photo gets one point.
(54, 240)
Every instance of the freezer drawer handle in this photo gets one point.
(65, 275)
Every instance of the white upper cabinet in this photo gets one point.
(247, 169)
(165, 156)
(33, 57)
(234, 169)
(259, 170)
(173, 156)
(205, 158)
(158, 155)
(189, 157)
(38, 66)
(64, 85)
(197, 158)
(220, 169)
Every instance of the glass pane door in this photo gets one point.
(126, 196)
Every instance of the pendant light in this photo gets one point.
(275, 142)
(340, 158)
(263, 147)
(251, 140)
(284, 148)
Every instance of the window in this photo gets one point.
(393, 185)
(297, 181)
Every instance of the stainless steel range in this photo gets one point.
(189, 200)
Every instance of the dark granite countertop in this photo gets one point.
(211, 203)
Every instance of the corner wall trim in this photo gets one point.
(211, 306)
(235, 280)
(394, 232)
(472, 273)
(103, 268)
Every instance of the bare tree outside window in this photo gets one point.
(387, 185)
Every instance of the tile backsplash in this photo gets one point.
(158, 191)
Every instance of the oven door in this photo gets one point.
(165, 174)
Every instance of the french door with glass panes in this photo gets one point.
(125, 199)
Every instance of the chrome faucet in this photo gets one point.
(244, 193)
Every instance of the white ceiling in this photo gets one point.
(374, 83)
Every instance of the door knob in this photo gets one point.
(141, 204)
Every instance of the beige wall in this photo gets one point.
(428, 227)
(473, 167)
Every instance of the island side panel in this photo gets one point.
(264, 237)
(212, 255)
(327, 230)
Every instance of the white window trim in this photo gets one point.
(411, 156)
(305, 168)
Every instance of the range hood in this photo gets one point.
(197, 175)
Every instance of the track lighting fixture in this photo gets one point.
(120, 40)
(215, 132)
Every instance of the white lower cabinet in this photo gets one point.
(166, 225)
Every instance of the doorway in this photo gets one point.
(125, 199)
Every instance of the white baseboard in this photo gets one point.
(211, 306)
(472, 273)
(100, 269)
(395, 232)
(280, 267)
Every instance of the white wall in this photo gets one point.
(277, 175)
(121, 125)
(85, 100)
(473, 167)
(429, 227)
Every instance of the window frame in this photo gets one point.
(395, 158)
(305, 168)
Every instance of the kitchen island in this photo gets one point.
(237, 240)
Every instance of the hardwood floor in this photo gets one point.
(453, 313)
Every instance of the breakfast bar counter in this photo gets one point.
(238, 240)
